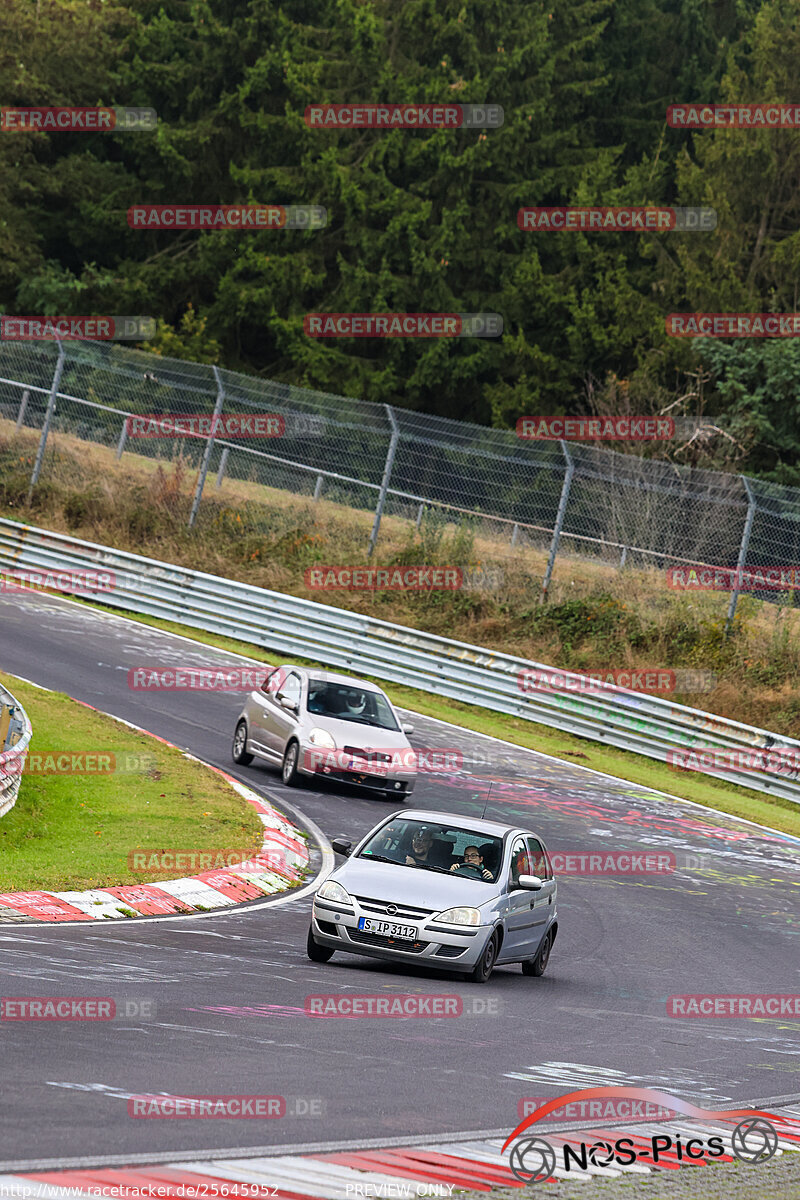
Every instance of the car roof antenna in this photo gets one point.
(486, 805)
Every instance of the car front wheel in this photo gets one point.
(536, 966)
(317, 953)
(485, 964)
(289, 769)
(239, 749)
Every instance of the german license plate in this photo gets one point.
(387, 928)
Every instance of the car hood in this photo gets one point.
(350, 733)
(411, 885)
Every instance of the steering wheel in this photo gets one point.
(472, 867)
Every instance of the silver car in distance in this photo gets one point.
(454, 893)
(333, 727)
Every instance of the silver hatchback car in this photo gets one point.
(447, 892)
(334, 727)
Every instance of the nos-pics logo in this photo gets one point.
(533, 1159)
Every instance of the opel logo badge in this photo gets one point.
(391, 909)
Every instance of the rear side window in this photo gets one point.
(519, 862)
(273, 681)
(540, 863)
(291, 688)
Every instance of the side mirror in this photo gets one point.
(286, 702)
(341, 846)
(407, 728)
(532, 882)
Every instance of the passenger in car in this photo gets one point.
(420, 852)
(472, 858)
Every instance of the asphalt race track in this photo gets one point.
(229, 990)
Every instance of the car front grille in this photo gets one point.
(367, 755)
(402, 911)
(376, 939)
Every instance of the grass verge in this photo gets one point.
(74, 831)
(773, 812)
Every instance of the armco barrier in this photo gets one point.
(644, 724)
(15, 736)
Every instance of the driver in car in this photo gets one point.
(473, 858)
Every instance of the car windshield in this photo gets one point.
(452, 849)
(348, 702)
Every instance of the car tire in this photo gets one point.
(536, 966)
(289, 768)
(317, 953)
(239, 751)
(485, 965)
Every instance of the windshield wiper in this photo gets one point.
(381, 858)
(431, 867)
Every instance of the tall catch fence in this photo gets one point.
(563, 498)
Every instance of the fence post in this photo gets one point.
(23, 404)
(420, 512)
(223, 462)
(623, 557)
(514, 536)
(562, 511)
(48, 417)
(387, 472)
(318, 488)
(748, 526)
(123, 437)
(201, 478)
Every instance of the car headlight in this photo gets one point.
(321, 737)
(331, 890)
(459, 916)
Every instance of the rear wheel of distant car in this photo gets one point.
(485, 965)
(536, 966)
(317, 953)
(239, 749)
(289, 769)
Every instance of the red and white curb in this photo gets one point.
(438, 1169)
(283, 846)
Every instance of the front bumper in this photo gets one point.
(312, 763)
(447, 948)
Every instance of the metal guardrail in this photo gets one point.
(15, 736)
(644, 724)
